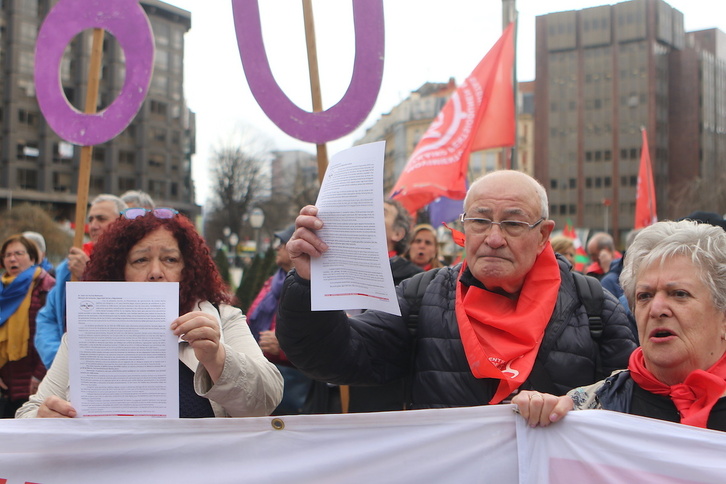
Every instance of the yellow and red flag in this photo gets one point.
(645, 210)
(479, 115)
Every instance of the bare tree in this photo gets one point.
(240, 181)
(34, 217)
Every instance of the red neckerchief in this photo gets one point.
(392, 254)
(694, 398)
(501, 337)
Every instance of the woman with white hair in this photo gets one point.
(675, 282)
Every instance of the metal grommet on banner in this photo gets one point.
(278, 424)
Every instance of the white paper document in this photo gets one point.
(123, 358)
(355, 273)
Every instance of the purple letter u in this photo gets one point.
(350, 111)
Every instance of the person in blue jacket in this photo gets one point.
(51, 319)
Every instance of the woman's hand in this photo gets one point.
(268, 343)
(56, 407)
(203, 334)
(542, 408)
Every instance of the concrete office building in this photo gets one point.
(601, 74)
(153, 154)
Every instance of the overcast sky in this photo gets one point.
(426, 41)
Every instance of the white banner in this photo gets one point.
(601, 447)
(453, 445)
(478, 444)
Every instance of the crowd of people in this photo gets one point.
(510, 322)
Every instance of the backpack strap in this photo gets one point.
(590, 293)
(414, 293)
(592, 296)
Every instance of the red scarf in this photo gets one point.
(501, 337)
(694, 398)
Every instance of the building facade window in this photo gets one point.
(62, 182)
(27, 178)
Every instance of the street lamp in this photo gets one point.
(233, 241)
(257, 218)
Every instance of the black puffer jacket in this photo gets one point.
(376, 347)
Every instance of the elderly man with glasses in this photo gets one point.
(508, 318)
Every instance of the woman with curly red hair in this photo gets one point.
(222, 371)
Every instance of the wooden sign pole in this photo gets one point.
(314, 80)
(322, 148)
(84, 170)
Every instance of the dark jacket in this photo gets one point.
(614, 393)
(620, 393)
(376, 347)
(403, 269)
(611, 280)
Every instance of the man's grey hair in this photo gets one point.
(105, 197)
(601, 241)
(703, 244)
(137, 198)
(541, 192)
(402, 221)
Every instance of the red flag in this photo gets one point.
(645, 213)
(581, 257)
(479, 115)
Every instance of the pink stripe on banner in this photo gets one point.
(569, 470)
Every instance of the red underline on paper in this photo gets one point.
(358, 294)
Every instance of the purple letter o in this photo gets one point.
(127, 21)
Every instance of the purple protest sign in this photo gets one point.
(350, 111)
(125, 20)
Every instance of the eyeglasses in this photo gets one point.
(17, 254)
(136, 212)
(513, 228)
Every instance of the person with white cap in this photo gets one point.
(39, 242)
